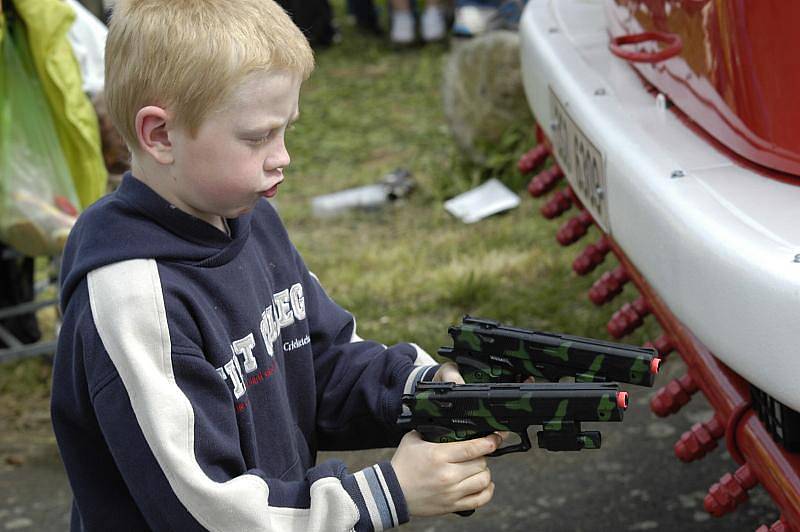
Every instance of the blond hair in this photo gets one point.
(187, 55)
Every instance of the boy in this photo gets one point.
(200, 364)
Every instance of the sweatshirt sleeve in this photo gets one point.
(359, 383)
(168, 423)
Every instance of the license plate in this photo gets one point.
(583, 164)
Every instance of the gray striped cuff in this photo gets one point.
(419, 373)
(378, 496)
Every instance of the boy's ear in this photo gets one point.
(151, 131)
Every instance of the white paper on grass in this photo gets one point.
(487, 199)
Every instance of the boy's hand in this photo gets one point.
(448, 372)
(441, 478)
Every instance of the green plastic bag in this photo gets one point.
(37, 197)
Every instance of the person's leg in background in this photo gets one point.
(433, 26)
(314, 18)
(366, 15)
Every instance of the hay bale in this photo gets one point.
(483, 93)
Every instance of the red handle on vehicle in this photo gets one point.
(673, 47)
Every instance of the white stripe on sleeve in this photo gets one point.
(369, 500)
(423, 358)
(385, 488)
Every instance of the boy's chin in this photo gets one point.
(244, 210)
(235, 212)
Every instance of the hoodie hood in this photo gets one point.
(135, 222)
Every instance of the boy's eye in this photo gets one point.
(256, 141)
(259, 140)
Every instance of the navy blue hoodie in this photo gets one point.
(198, 374)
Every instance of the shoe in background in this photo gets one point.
(433, 26)
(402, 27)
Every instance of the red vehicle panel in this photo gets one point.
(734, 71)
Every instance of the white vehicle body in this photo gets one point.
(719, 243)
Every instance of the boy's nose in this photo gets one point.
(278, 159)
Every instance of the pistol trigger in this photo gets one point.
(521, 447)
(525, 445)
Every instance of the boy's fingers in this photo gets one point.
(471, 449)
(505, 435)
(475, 483)
(476, 500)
(464, 470)
(448, 372)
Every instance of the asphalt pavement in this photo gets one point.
(633, 483)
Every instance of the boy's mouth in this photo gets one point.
(270, 192)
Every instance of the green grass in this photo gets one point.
(409, 271)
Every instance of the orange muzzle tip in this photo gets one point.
(622, 400)
(654, 365)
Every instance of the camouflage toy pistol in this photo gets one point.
(448, 412)
(487, 351)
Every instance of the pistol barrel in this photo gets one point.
(495, 352)
(446, 412)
